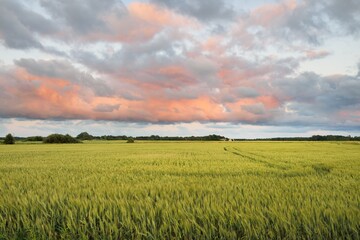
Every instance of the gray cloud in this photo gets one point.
(65, 70)
(257, 108)
(210, 10)
(82, 16)
(131, 57)
(312, 99)
(246, 92)
(345, 12)
(288, 25)
(106, 107)
(315, 20)
(329, 93)
(15, 35)
(18, 24)
(22, 27)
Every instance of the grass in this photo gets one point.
(180, 190)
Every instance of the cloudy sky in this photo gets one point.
(193, 67)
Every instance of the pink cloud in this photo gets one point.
(269, 14)
(47, 97)
(141, 23)
(313, 54)
(156, 15)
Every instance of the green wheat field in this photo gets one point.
(180, 190)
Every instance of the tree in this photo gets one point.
(59, 138)
(85, 136)
(130, 140)
(9, 139)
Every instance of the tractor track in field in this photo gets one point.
(253, 158)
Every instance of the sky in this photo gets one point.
(241, 69)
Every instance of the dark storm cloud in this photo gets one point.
(210, 10)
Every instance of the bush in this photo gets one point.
(9, 139)
(59, 138)
(130, 140)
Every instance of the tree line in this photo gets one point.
(312, 138)
(60, 138)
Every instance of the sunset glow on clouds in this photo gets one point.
(180, 67)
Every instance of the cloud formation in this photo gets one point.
(211, 10)
(178, 61)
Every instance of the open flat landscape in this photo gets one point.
(180, 190)
(165, 119)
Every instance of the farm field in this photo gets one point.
(180, 190)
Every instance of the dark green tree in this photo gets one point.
(84, 136)
(59, 138)
(9, 139)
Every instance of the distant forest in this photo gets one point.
(86, 136)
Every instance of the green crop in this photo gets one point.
(180, 190)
